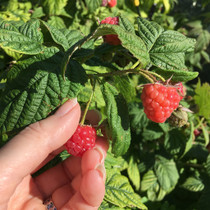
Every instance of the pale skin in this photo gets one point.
(75, 184)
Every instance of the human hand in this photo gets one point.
(76, 183)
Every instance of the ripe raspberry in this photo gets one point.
(112, 3)
(82, 140)
(111, 39)
(159, 101)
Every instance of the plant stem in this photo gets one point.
(87, 107)
(147, 76)
(157, 75)
(135, 65)
(123, 72)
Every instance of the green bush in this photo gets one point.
(52, 50)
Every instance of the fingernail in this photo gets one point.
(66, 107)
(102, 171)
(100, 151)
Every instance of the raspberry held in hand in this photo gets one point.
(111, 39)
(82, 140)
(159, 101)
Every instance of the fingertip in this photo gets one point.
(92, 187)
(95, 156)
(90, 160)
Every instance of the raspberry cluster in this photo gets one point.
(82, 140)
(111, 39)
(160, 101)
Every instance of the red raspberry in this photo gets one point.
(197, 132)
(112, 3)
(82, 140)
(159, 101)
(111, 39)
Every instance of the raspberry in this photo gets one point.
(82, 140)
(112, 3)
(159, 101)
(111, 39)
(197, 132)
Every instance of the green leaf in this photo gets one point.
(133, 172)
(203, 41)
(149, 31)
(138, 118)
(76, 43)
(205, 134)
(193, 184)
(126, 24)
(38, 13)
(152, 132)
(120, 192)
(129, 41)
(166, 173)
(190, 139)
(118, 119)
(98, 99)
(35, 88)
(156, 193)
(57, 22)
(13, 54)
(177, 76)
(54, 7)
(56, 35)
(126, 87)
(148, 180)
(72, 36)
(93, 4)
(166, 48)
(202, 99)
(118, 163)
(26, 39)
(175, 142)
(205, 56)
(108, 206)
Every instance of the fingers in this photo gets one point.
(96, 156)
(28, 149)
(71, 168)
(90, 196)
(90, 187)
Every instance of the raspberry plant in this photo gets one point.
(54, 50)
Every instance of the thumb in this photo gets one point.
(27, 150)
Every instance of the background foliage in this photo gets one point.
(52, 50)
